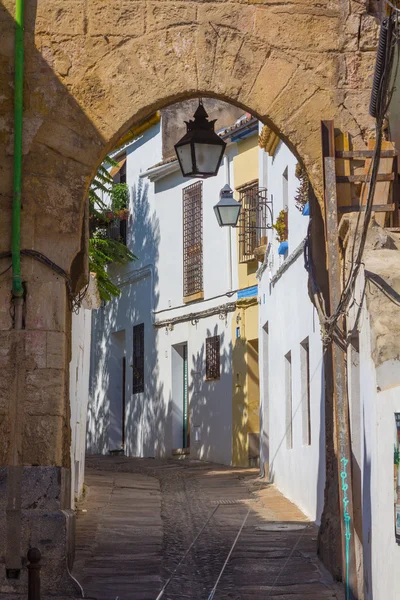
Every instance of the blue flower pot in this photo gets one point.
(283, 248)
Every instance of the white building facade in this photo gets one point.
(291, 353)
(161, 377)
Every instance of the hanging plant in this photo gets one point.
(281, 227)
(303, 191)
(119, 197)
(123, 214)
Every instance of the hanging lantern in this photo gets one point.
(227, 210)
(200, 151)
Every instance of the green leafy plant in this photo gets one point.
(119, 197)
(280, 226)
(303, 191)
(396, 456)
(102, 249)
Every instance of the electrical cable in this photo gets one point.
(166, 584)
(212, 593)
(5, 270)
(396, 8)
(383, 97)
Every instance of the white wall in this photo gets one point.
(378, 395)
(288, 315)
(79, 394)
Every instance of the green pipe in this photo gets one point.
(17, 288)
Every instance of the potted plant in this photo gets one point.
(281, 228)
(303, 191)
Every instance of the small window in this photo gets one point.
(138, 359)
(289, 400)
(213, 357)
(305, 391)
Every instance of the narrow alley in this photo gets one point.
(139, 518)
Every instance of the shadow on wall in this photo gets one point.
(146, 413)
(210, 403)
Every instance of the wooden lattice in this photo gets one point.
(213, 357)
(193, 239)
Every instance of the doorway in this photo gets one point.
(116, 392)
(180, 397)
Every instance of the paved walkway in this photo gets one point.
(139, 517)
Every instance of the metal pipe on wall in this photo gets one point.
(17, 289)
(229, 229)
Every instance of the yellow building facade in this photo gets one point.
(246, 393)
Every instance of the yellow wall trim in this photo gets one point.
(137, 130)
(193, 297)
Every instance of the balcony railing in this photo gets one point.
(256, 218)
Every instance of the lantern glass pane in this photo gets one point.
(185, 158)
(229, 214)
(217, 214)
(207, 157)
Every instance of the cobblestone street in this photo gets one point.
(139, 518)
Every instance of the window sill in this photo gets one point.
(193, 297)
(210, 379)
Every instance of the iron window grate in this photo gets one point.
(193, 239)
(253, 221)
(213, 357)
(138, 359)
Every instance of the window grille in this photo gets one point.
(253, 219)
(193, 239)
(213, 357)
(117, 230)
(138, 359)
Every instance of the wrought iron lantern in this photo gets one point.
(200, 151)
(227, 210)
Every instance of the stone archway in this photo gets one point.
(93, 69)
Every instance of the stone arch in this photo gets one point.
(96, 68)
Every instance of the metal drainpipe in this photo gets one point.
(229, 233)
(17, 289)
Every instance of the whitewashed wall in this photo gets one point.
(287, 318)
(374, 399)
(79, 386)
(154, 282)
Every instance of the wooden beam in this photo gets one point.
(340, 397)
(375, 208)
(364, 178)
(362, 154)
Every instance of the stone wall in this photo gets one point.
(94, 68)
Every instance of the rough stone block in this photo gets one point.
(35, 348)
(310, 32)
(41, 488)
(6, 385)
(56, 349)
(4, 438)
(45, 392)
(36, 493)
(162, 15)
(57, 16)
(46, 302)
(43, 439)
(228, 15)
(369, 33)
(123, 17)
